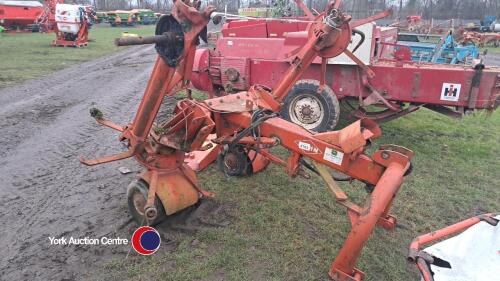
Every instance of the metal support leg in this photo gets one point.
(343, 266)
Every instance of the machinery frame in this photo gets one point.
(246, 126)
(259, 52)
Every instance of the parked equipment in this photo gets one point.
(18, 16)
(246, 126)
(382, 83)
(446, 51)
(70, 23)
(101, 17)
(487, 23)
(72, 26)
(122, 18)
(47, 20)
(489, 39)
(144, 16)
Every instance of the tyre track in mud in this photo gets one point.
(44, 190)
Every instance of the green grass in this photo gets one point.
(291, 229)
(493, 50)
(29, 55)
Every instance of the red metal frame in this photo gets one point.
(82, 38)
(422, 259)
(47, 20)
(161, 148)
(480, 39)
(48, 24)
(390, 80)
(19, 16)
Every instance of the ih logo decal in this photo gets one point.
(450, 92)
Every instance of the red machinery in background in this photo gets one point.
(481, 39)
(19, 16)
(47, 20)
(246, 126)
(382, 84)
(70, 22)
(72, 25)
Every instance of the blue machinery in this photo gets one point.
(447, 51)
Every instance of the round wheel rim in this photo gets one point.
(307, 111)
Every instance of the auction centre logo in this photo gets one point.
(146, 240)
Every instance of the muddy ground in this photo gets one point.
(45, 191)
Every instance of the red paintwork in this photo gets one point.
(260, 28)
(161, 149)
(21, 16)
(82, 38)
(400, 80)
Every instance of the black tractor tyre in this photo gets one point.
(326, 99)
(139, 190)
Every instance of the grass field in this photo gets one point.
(291, 229)
(493, 50)
(29, 55)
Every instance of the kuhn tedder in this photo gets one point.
(247, 126)
(381, 82)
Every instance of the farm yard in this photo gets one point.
(264, 227)
(30, 55)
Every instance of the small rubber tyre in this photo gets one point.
(306, 107)
(235, 163)
(137, 195)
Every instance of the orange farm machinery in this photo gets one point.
(70, 23)
(16, 16)
(246, 125)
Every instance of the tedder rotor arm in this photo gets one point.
(166, 174)
(247, 120)
(176, 39)
(327, 39)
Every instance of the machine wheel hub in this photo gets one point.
(307, 110)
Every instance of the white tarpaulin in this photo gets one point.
(21, 3)
(474, 255)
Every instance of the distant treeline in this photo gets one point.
(438, 9)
